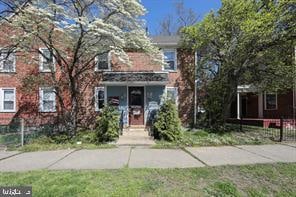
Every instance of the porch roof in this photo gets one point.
(246, 89)
(161, 77)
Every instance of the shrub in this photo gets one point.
(167, 125)
(107, 128)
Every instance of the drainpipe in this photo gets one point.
(195, 88)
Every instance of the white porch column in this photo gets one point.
(238, 106)
(260, 105)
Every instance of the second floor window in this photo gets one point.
(170, 59)
(47, 63)
(7, 62)
(7, 100)
(103, 62)
(47, 98)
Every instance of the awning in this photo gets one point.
(137, 77)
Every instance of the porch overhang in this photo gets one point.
(141, 78)
(246, 89)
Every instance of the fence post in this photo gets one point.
(22, 131)
(241, 124)
(281, 129)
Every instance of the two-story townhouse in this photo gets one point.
(136, 90)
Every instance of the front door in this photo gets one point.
(136, 105)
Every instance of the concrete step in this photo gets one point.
(135, 137)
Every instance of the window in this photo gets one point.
(7, 61)
(47, 98)
(99, 98)
(172, 94)
(7, 100)
(270, 101)
(47, 62)
(103, 62)
(170, 59)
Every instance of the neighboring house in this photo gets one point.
(253, 104)
(136, 90)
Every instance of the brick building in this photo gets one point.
(137, 90)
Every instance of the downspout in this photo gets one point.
(195, 88)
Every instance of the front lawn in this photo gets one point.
(249, 180)
(84, 140)
(203, 138)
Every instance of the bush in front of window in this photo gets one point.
(107, 128)
(167, 125)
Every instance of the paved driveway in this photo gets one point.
(146, 158)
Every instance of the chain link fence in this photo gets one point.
(17, 132)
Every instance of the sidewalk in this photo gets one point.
(139, 157)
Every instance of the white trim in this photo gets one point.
(97, 89)
(109, 63)
(14, 62)
(41, 60)
(176, 90)
(175, 59)
(136, 72)
(134, 83)
(41, 109)
(2, 100)
(276, 100)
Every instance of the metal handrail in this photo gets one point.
(121, 123)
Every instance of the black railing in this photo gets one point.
(121, 124)
(283, 129)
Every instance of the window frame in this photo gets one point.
(176, 90)
(2, 62)
(41, 93)
(175, 59)
(2, 90)
(41, 61)
(109, 63)
(265, 103)
(97, 89)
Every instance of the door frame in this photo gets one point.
(144, 107)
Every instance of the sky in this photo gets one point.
(158, 9)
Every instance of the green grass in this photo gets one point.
(250, 180)
(43, 143)
(203, 138)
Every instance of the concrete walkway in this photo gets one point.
(143, 157)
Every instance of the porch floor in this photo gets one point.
(135, 137)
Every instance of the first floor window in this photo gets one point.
(172, 94)
(8, 100)
(270, 101)
(47, 100)
(7, 61)
(99, 98)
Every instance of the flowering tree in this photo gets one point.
(75, 32)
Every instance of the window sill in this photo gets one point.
(46, 71)
(7, 72)
(47, 111)
(6, 111)
(170, 71)
(105, 70)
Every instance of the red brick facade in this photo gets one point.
(27, 103)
